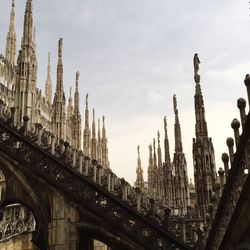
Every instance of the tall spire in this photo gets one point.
(93, 125)
(159, 150)
(59, 83)
(87, 112)
(25, 87)
(93, 139)
(10, 52)
(27, 39)
(76, 118)
(201, 125)
(150, 170)
(70, 105)
(203, 151)
(180, 184)
(99, 143)
(166, 143)
(103, 128)
(69, 121)
(139, 172)
(104, 141)
(177, 128)
(59, 105)
(76, 99)
(86, 131)
(154, 155)
(48, 84)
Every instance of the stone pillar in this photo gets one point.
(62, 231)
(230, 144)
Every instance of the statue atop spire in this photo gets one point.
(77, 78)
(196, 64)
(87, 100)
(60, 45)
(166, 144)
(175, 106)
(178, 140)
(103, 121)
(159, 150)
(203, 151)
(196, 70)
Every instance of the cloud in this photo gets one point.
(134, 55)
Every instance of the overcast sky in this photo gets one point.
(134, 55)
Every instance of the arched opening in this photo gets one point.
(17, 224)
(99, 245)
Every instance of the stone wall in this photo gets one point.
(19, 242)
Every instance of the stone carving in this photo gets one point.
(196, 64)
(16, 220)
(95, 195)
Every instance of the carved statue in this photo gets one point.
(165, 123)
(77, 76)
(60, 44)
(138, 150)
(158, 137)
(175, 105)
(103, 120)
(87, 101)
(196, 64)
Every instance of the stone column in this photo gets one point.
(62, 231)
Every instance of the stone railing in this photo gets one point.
(237, 177)
(87, 183)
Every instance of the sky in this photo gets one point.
(134, 55)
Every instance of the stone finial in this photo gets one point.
(241, 103)
(235, 124)
(247, 80)
(230, 142)
(225, 158)
(221, 172)
(247, 83)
